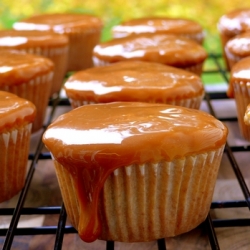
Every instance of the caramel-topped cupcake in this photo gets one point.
(239, 88)
(237, 48)
(46, 43)
(16, 118)
(28, 76)
(233, 23)
(170, 50)
(166, 25)
(135, 81)
(83, 31)
(247, 115)
(132, 171)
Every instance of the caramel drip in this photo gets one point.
(94, 140)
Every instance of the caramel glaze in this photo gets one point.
(31, 39)
(59, 22)
(157, 24)
(14, 111)
(93, 140)
(18, 67)
(239, 72)
(240, 44)
(133, 81)
(163, 48)
(235, 22)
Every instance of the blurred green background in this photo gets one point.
(206, 12)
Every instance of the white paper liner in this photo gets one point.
(37, 91)
(150, 201)
(194, 102)
(59, 56)
(14, 149)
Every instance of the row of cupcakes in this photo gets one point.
(234, 30)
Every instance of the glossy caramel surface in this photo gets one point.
(239, 45)
(14, 110)
(59, 22)
(18, 67)
(239, 72)
(157, 24)
(133, 81)
(235, 22)
(93, 140)
(31, 39)
(162, 48)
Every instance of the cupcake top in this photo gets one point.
(15, 39)
(94, 140)
(247, 116)
(19, 67)
(133, 81)
(157, 24)
(239, 45)
(14, 111)
(239, 72)
(235, 22)
(163, 48)
(59, 22)
(123, 133)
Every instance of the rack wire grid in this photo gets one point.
(15, 234)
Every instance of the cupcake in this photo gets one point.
(135, 81)
(16, 117)
(247, 115)
(233, 23)
(83, 31)
(132, 171)
(47, 44)
(28, 76)
(237, 48)
(239, 88)
(165, 25)
(170, 50)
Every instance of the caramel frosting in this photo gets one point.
(157, 24)
(133, 81)
(18, 67)
(235, 22)
(59, 22)
(14, 110)
(240, 72)
(29, 39)
(239, 45)
(163, 48)
(93, 140)
(247, 116)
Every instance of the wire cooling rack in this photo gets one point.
(58, 228)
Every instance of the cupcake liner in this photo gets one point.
(81, 44)
(194, 102)
(13, 161)
(59, 56)
(242, 99)
(150, 201)
(231, 58)
(37, 91)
